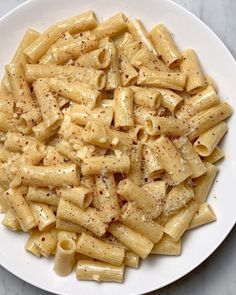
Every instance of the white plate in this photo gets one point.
(198, 244)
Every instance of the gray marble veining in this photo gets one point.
(217, 275)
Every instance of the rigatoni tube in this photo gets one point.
(112, 26)
(33, 154)
(140, 34)
(157, 189)
(201, 101)
(204, 215)
(64, 257)
(177, 198)
(171, 159)
(42, 195)
(136, 242)
(207, 141)
(141, 114)
(99, 58)
(78, 92)
(188, 152)
(156, 125)
(50, 110)
(47, 242)
(15, 142)
(110, 163)
(23, 213)
(31, 245)
(141, 222)
(135, 173)
(63, 225)
(100, 250)
(60, 175)
(39, 46)
(72, 49)
(42, 132)
(167, 246)
(21, 93)
(80, 196)
(165, 45)
(178, 224)
(99, 271)
(88, 218)
(44, 215)
(131, 259)
(205, 120)
(107, 197)
(123, 107)
(203, 184)
(90, 76)
(150, 98)
(113, 73)
(98, 134)
(215, 156)
(170, 100)
(130, 191)
(81, 115)
(191, 67)
(47, 58)
(151, 163)
(148, 59)
(128, 73)
(79, 23)
(148, 77)
(10, 220)
(138, 134)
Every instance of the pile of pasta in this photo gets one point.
(109, 136)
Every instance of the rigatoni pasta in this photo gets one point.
(64, 257)
(99, 271)
(108, 142)
(165, 45)
(123, 107)
(139, 33)
(167, 246)
(108, 202)
(207, 141)
(171, 159)
(191, 67)
(148, 77)
(136, 242)
(100, 250)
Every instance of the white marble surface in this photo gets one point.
(217, 275)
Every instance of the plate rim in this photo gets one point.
(230, 227)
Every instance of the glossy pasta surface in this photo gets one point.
(109, 138)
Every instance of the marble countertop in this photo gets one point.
(217, 275)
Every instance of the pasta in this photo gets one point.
(100, 250)
(165, 45)
(148, 77)
(123, 107)
(99, 271)
(109, 139)
(171, 159)
(137, 220)
(139, 33)
(107, 197)
(204, 215)
(207, 141)
(167, 246)
(64, 257)
(191, 66)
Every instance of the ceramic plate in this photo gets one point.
(189, 31)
